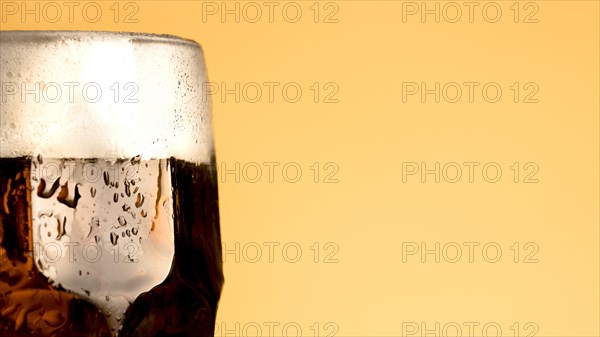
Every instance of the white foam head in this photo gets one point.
(103, 95)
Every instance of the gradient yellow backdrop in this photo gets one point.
(340, 236)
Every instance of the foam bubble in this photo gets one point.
(103, 95)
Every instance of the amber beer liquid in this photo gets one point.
(109, 221)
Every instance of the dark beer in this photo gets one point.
(34, 216)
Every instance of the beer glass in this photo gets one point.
(109, 222)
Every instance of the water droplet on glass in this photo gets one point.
(139, 200)
(114, 238)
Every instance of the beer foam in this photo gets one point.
(103, 95)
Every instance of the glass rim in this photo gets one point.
(133, 37)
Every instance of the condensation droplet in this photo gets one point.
(114, 238)
(139, 200)
(127, 188)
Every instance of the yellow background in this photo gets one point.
(368, 135)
